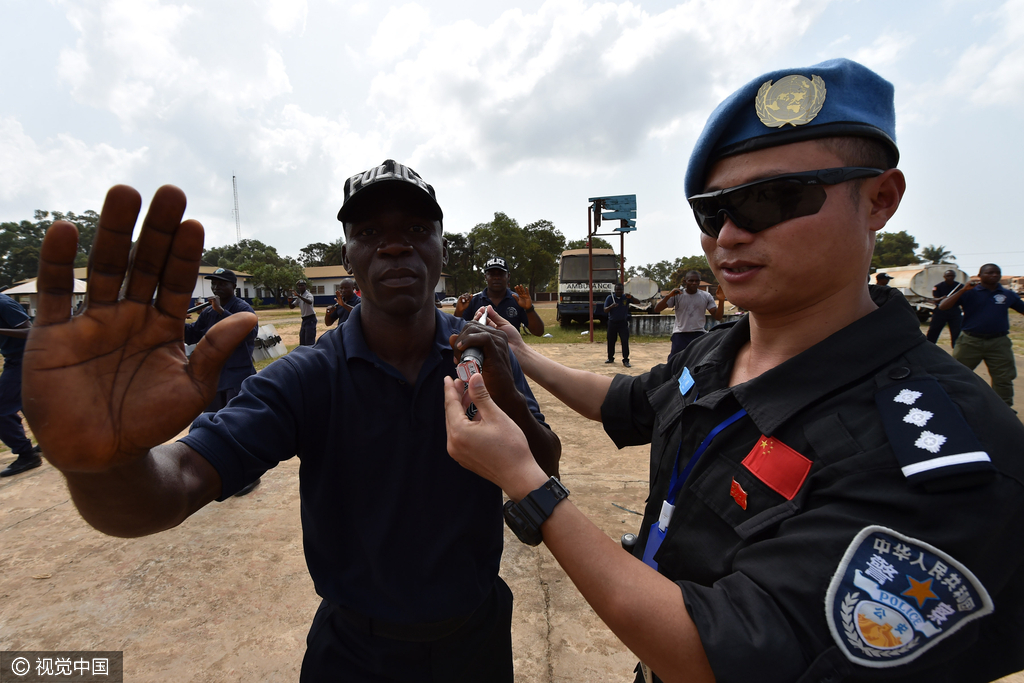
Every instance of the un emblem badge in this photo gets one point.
(795, 100)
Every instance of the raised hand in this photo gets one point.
(462, 304)
(524, 297)
(104, 387)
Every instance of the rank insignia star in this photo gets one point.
(738, 494)
(920, 591)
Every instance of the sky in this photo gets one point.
(528, 108)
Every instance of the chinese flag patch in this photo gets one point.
(738, 494)
(778, 466)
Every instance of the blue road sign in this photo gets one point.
(617, 215)
(621, 202)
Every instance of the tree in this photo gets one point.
(531, 252)
(599, 243)
(332, 255)
(20, 243)
(313, 254)
(460, 268)
(698, 263)
(894, 249)
(267, 268)
(321, 254)
(277, 277)
(936, 254)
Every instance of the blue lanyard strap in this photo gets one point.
(678, 478)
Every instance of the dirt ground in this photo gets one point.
(226, 595)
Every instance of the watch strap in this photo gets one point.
(526, 516)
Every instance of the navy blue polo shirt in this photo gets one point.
(11, 315)
(341, 314)
(986, 311)
(509, 308)
(239, 364)
(392, 526)
(620, 312)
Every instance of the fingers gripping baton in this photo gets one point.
(470, 363)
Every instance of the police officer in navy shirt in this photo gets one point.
(402, 543)
(515, 306)
(239, 365)
(616, 305)
(986, 328)
(345, 301)
(16, 324)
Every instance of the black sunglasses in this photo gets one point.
(761, 204)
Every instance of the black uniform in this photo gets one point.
(940, 319)
(867, 508)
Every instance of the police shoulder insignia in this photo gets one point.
(893, 598)
(795, 100)
(929, 436)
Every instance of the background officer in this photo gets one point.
(304, 300)
(986, 328)
(16, 324)
(941, 318)
(515, 306)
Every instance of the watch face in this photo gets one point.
(521, 525)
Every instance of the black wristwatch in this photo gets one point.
(524, 518)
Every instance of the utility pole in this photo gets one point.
(238, 223)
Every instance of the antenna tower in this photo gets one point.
(238, 224)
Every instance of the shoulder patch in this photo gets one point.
(930, 437)
(893, 598)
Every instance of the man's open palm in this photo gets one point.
(104, 387)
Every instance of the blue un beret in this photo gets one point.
(835, 98)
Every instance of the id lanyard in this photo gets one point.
(657, 533)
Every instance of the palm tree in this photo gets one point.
(936, 254)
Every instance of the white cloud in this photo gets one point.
(885, 50)
(286, 15)
(983, 75)
(575, 84)
(145, 61)
(62, 173)
(399, 32)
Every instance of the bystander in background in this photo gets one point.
(617, 307)
(304, 300)
(941, 318)
(986, 328)
(689, 305)
(16, 325)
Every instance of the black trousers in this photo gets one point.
(620, 329)
(680, 340)
(12, 432)
(307, 331)
(940, 319)
(339, 649)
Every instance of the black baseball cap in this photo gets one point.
(223, 274)
(879, 276)
(392, 178)
(496, 263)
